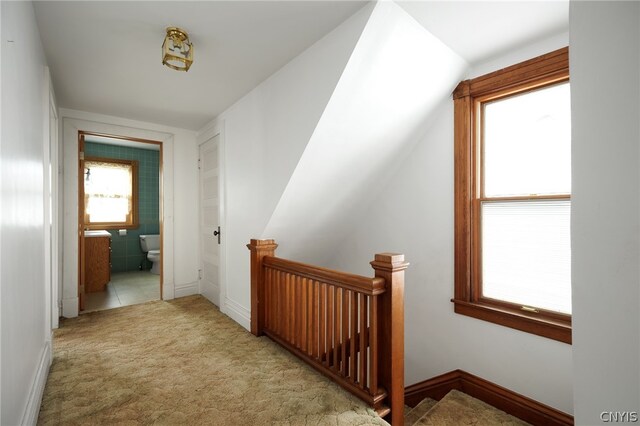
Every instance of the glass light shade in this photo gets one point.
(177, 50)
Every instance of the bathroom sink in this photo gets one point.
(97, 234)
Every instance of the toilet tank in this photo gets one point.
(149, 242)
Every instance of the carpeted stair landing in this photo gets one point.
(457, 408)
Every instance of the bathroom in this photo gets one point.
(131, 254)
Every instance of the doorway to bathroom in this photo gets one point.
(119, 221)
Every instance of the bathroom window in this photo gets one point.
(110, 193)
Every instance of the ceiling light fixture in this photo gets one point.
(177, 49)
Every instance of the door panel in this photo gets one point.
(209, 220)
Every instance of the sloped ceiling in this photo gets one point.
(397, 73)
(481, 30)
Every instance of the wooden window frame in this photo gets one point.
(545, 70)
(133, 220)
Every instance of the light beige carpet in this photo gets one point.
(457, 408)
(414, 414)
(183, 362)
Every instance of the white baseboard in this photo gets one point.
(237, 312)
(212, 293)
(186, 289)
(70, 307)
(31, 411)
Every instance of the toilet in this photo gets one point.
(150, 244)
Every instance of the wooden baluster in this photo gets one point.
(322, 320)
(353, 372)
(276, 317)
(363, 340)
(337, 309)
(259, 249)
(287, 309)
(391, 267)
(300, 304)
(294, 312)
(274, 299)
(329, 333)
(316, 324)
(303, 314)
(281, 284)
(345, 332)
(310, 317)
(297, 308)
(267, 298)
(373, 346)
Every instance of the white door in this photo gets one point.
(209, 220)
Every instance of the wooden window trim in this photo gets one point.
(134, 221)
(542, 71)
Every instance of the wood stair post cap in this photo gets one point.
(389, 262)
(262, 244)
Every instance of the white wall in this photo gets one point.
(264, 135)
(413, 214)
(396, 75)
(180, 196)
(605, 221)
(25, 353)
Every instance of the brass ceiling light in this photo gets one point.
(177, 49)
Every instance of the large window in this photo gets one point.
(513, 197)
(110, 193)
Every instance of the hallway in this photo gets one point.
(183, 362)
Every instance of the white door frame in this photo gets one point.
(51, 206)
(71, 126)
(213, 129)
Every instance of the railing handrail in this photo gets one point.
(371, 286)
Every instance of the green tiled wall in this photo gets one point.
(126, 254)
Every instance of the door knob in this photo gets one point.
(217, 234)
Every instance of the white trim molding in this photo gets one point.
(74, 121)
(186, 289)
(237, 312)
(32, 409)
(70, 307)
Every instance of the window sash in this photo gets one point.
(554, 272)
(102, 194)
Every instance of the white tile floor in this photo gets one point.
(125, 288)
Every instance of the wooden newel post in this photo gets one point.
(391, 266)
(259, 249)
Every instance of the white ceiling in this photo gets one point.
(105, 57)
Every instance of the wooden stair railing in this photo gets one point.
(348, 327)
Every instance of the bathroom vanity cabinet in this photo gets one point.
(97, 262)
